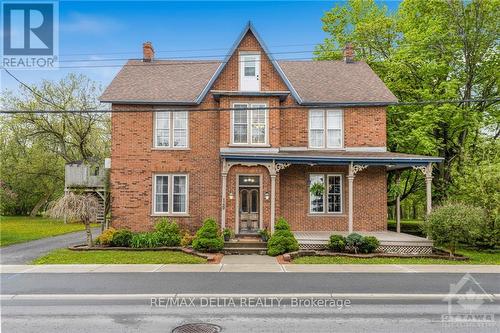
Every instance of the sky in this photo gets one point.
(90, 31)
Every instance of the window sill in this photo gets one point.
(246, 145)
(324, 148)
(326, 214)
(169, 148)
(170, 215)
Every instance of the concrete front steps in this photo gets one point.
(245, 245)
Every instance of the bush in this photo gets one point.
(168, 233)
(337, 243)
(281, 224)
(187, 239)
(282, 240)
(353, 242)
(122, 238)
(145, 240)
(454, 223)
(106, 237)
(207, 238)
(369, 244)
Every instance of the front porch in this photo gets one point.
(390, 241)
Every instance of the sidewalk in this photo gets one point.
(250, 263)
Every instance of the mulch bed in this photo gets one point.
(438, 254)
(212, 258)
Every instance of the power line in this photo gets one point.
(191, 109)
(173, 63)
(176, 51)
(175, 58)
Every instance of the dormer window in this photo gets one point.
(249, 71)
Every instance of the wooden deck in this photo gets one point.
(390, 241)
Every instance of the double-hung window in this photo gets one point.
(329, 200)
(171, 129)
(170, 194)
(325, 129)
(249, 124)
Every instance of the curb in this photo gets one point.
(357, 296)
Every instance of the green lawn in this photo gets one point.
(19, 229)
(412, 227)
(65, 256)
(476, 258)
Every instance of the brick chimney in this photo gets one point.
(349, 53)
(148, 52)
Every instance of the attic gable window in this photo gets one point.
(171, 129)
(326, 129)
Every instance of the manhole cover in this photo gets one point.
(197, 328)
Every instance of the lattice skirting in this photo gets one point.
(401, 249)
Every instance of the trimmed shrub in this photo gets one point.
(207, 238)
(337, 243)
(187, 239)
(455, 223)
(145, 240)
(122, 238)
(369, 244)
(168, 233)
(106, 237)
(353, 242)
(282, 240)
(281, 224)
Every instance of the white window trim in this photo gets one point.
(170, 132)
(170, 195)
(325, 194)
(325, 130)
(249, 125)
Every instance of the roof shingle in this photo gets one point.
(165, 81)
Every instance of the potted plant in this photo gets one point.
(264, 234)
(227, 234)
(317, 189)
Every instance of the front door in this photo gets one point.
(249, 205)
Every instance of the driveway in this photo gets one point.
(25, 252)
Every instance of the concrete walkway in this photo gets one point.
(25, 252)
(248, 265)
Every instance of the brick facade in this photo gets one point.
(135, 160)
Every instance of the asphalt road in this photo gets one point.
(24, 253)
(138, 316)
(221, 283)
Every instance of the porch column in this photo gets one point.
(427, 171)
(350, 179)
(223, 194)
(428, 187)
(273, 200)
(398, 206)
(353, 169)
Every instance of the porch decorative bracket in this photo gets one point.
(426, 170)
(355, 168)
(281, 166)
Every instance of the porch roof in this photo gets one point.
(337, 157)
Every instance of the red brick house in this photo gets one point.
(244, 139)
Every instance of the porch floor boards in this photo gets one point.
(385, 237)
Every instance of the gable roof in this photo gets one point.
(188, 82)
(339, 82)
(160, 82)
